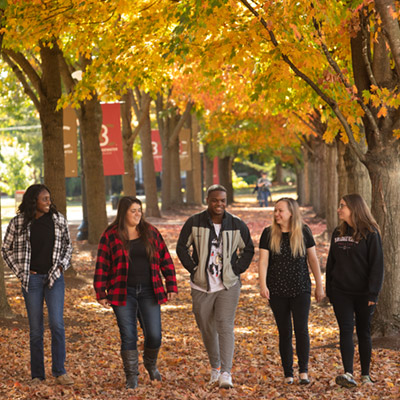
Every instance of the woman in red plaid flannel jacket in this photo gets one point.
(131, 257)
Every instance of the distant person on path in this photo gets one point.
(354, 276)
(131, 257)
(263, 191)
(37, 247)
(287, 249)
(216, 247)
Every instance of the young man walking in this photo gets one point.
(216, 247)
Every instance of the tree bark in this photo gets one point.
(384, 170)
(45, 91)
(5, 309)
(332, 188)
(358, 180)
(149, 174)
(196, 173)
(90, 118)
(225, 176)
(128, 179)
(341, 169)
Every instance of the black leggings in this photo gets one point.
(346, 307)
(284, 308)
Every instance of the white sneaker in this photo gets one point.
(225, 380)
(215, 373)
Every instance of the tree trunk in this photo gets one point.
(384, 170)
(332, 188)
(175, 167)
(193, 177)
(209, 169)
(128, 179)
(90, 116)
(322, 171)
(5, 309)
(52, 127)
(225, 176)
(149, 174)
(358, 180)
(314, 177)
(307, 175)
(341, 170)
(279, 173)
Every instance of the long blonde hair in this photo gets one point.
(297, 245)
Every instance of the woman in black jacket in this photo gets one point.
(354, 276)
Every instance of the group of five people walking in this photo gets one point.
(215, 247)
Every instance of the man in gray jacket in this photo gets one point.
(216, 247)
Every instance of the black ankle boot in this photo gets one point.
(150, 363)
(130, 360)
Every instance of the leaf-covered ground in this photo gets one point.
(93, 340)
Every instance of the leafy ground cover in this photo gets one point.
(93, 340)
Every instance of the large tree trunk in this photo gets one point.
(128, 179)
(90, 117)
(209, 169)
(279, 172)
(45, 91)
(194, 178)
(358, 180)
(322, 187)
(52, 127)
(225, 176)
(307, 175)
(175, 166)
(314, 177)
(331, 188)
(5, 309)
(341, 169)
(149, 174)
(384, 169)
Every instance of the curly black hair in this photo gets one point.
(28, 205)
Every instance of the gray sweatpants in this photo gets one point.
(215, 316)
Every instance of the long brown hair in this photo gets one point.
(143, 227)
(297, 245)
(361, 216)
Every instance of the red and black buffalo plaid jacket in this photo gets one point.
(110, 279)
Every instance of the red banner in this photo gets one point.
(157, 150)
(111, 140)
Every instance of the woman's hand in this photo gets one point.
(371, 303)
(171, 295)
(319, 293)
(264, 291)
(104, 303)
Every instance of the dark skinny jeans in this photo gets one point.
(350, 310)
(284, 308)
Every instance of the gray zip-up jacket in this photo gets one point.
(194, 246)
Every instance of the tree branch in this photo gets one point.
(182, 120)
(329, 100)
(27, 68)
(387, 11)
(21, 77)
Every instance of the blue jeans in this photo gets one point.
(263, 197)
(37, 292)
(284, 308)
(141, 304)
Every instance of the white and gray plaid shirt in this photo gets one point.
(16, 248)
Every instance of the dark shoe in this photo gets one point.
(150, 363)
(304, 379)
(346, 380)
(131, 367)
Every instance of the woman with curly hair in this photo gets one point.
(131, 257)
(37, 248)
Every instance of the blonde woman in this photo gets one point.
(287, 248)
